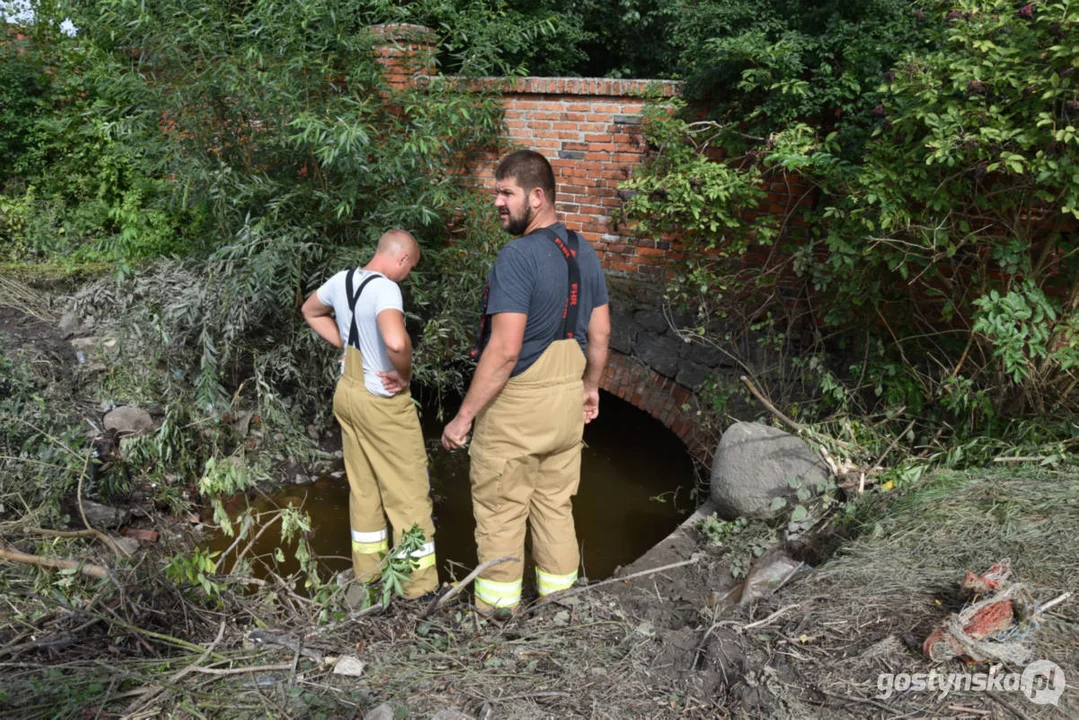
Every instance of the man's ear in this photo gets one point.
(537, 197)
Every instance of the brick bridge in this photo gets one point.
(590, 130)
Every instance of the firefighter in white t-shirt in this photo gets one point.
(361, 311)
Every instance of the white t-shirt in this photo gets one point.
(380, 294)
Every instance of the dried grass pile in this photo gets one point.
(869, 608)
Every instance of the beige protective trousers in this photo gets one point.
(386, 465)
(525, 470)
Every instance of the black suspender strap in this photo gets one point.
(569, 310)
(353, 331)
(572, 306)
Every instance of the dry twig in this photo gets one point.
(279, 667)
(456, 590)
(795, 426)
(90, 569)
(89, 532)
(152, 692)
(559, 596)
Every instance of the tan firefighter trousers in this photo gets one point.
(525, 469)
(386, 465)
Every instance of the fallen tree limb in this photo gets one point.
(91, 532)
(90, 569)
(795, 426)
(456, 590)
(555, 597)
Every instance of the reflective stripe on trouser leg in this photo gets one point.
(546, 583)
(370, 543)
(490, 593)
(422, 558)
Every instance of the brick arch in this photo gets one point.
(660, 397)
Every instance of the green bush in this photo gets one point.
(935, 259)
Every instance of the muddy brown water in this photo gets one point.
(636, 478)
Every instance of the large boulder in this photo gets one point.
(752, 466)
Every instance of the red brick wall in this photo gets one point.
(590, 130)
(405, 51)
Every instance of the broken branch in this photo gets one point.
(577, 591)
(90, 569)
(456, 590)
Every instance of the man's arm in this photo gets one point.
(391, 326)
(492, 373)
(320, 318)
(599, 335)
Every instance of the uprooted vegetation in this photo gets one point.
(819, 646)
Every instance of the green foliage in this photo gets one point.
(43, 449)
(746, 539)
(399, 564)
(87, 165)
(24, 87)
(934, 247)
(1020, 326)
(767, 65)
(262, 145)
(680, 188)
(227, 477)
(277, 125)
(395, 569)
(197, 569)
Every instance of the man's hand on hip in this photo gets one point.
(393, 382)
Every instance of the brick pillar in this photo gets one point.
(405, 51)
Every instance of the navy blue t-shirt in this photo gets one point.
(530, 276)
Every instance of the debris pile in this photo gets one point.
(995, 626)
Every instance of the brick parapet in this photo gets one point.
(590, 130)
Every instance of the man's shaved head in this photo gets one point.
(394, 242)
(396, 255)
